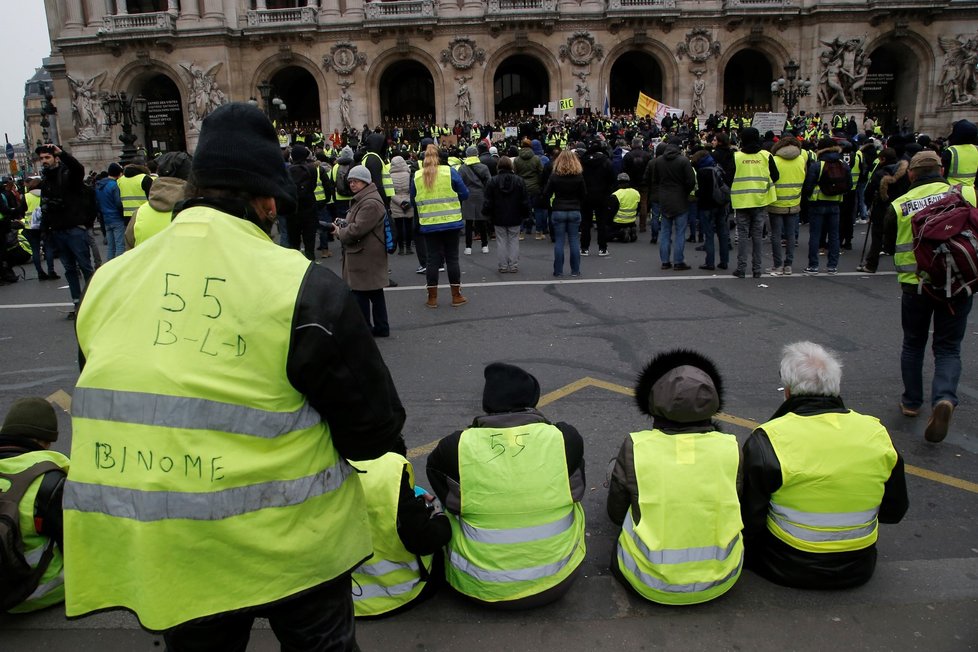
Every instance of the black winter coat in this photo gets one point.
(506, 201)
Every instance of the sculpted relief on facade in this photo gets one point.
(699, 46)
(580, 49)
(462, 53)
(205, 93)
(959, 86)
(344, 58)
(844, 67)
(86, 106)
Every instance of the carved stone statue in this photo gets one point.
(845, 67)
(583, 90)
(86, 106)
(463, 99)
(346, 104)
(959, 86)
(205, 94)
(699, 86)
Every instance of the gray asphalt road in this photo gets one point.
(586, 340)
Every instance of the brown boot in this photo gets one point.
(457, 298)
(432, 297)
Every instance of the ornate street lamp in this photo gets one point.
(47, 108)
(279, 110)
(265, 91)
(128, 111)
(791, 89)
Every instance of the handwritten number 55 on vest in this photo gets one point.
(500, 446)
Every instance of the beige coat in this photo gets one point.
(364, 250)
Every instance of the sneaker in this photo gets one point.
(421, 270)
(865, 270)
(53, 276)
(811, 271)
(441, 269)
(786, 270)
(540, 236)
(522, 237)
(666, 265)
(467, 252)
(940, 420)
(722, 266)
(514, 269)
(774, 271)
(908, 411)
(708, 268)
(575, 275)
(485, 250)
(602, 252)
(680, 267)
(585, 252)
(739, 273)
(503, 270)
(831, 271)
(757, 275)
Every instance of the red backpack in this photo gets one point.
(945, 245)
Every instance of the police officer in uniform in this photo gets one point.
(204, 498)
(819, 478)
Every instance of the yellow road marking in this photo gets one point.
(62, 399)
(587, 381)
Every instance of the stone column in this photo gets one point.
(172, 6)
(120, 8)
(448, 9)
(329, 9)
(190, 9)
(214, 9)
(73, 14)
(261, 5)
(96, 12)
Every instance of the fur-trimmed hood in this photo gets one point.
(890, 179)
(681, 386)
(835, 149)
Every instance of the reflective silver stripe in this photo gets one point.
(818, 536)
(751, 191)
(679, 555)
(188, 413)
(133, 197)
(43, 589)
(518, 535)
(906, 268)
(788, 197)
(740, 179)
(824, 519)
(384, 566)
(790, 185)
(906, 246)
(450, 211)
(368, 591)
(437, 200)
(463, 565)
(626, 560)
(147, 506)
(34, 556)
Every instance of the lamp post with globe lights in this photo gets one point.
(791, 89)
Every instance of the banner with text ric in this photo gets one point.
(648, 106)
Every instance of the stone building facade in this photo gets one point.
(351, 62)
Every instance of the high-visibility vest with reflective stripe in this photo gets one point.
(791, 177)
(439, 208)
(206, 478)
(519, 531)
(283, 140)
(320, 192)
(388, 180)
(833, 469)
(392, 577)
(33, 202)
(906, 206)
(131, 190)
(687, 548)
(628, 201)
(964, 165)
(149, 222)
(337, 195)
(50, 589)
(817, 192)
(857, 166)
(752, 186)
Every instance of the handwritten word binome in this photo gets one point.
(134, 460)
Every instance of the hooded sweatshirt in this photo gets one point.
(505, 200)
(673, 178)
(788, 151)
(528, 165)
(164, 195)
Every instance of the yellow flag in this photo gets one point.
(646, 106)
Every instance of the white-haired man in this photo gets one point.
(819, 478)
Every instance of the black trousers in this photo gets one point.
(304, 228)
(317, 620)
(442, 249)
(374, 299)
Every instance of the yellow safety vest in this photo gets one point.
(392, 577)
(283, 140)
(817, 192)
(439, 208)
(964, 165)
(752, 186)
(385, 174)
(33, 202)
(149, 222)
(857, 166)
(320, 192)
(50, 589)
(131, 190)
(628, 201)
(205, 478)
(519, 532)
(906, 206)
(687, 548)
(833, 469)
(791, 177)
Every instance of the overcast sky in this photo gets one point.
(25, 44)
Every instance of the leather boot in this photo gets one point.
(457, 298)
(432, 297)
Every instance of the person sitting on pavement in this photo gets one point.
(408, 529)
(674, 488)
(623, 207)
(819, 479)
(29, 468)
(512, 485)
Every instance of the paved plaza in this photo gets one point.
(586, 341)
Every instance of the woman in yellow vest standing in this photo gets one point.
(437, 191)
(674, 488)
(792, 167)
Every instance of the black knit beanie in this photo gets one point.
(33, 418)
(508, 389)
(238, 150)
(175, 164)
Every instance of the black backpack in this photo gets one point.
(721, 191)
(17, 579)
(89, 204)
(342, 182)
(835, 178)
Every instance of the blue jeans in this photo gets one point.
(823, 214)
(750, 233)
(950, 325)
(678, 223)
(566, 225)
(693, 221)
(36, 238)
(75, 256)
(540, 218)
(783, 226)
(115, 233)
(862, 210)
(325, 218)
(714, 222)
(283, 231)
(655, 212)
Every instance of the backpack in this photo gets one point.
(835, 178)
(327, 180)
(17, 249)
(721, 191)
(17, 579)
(945, 246)
(89, 204)
(342, 182)
(389, 243)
